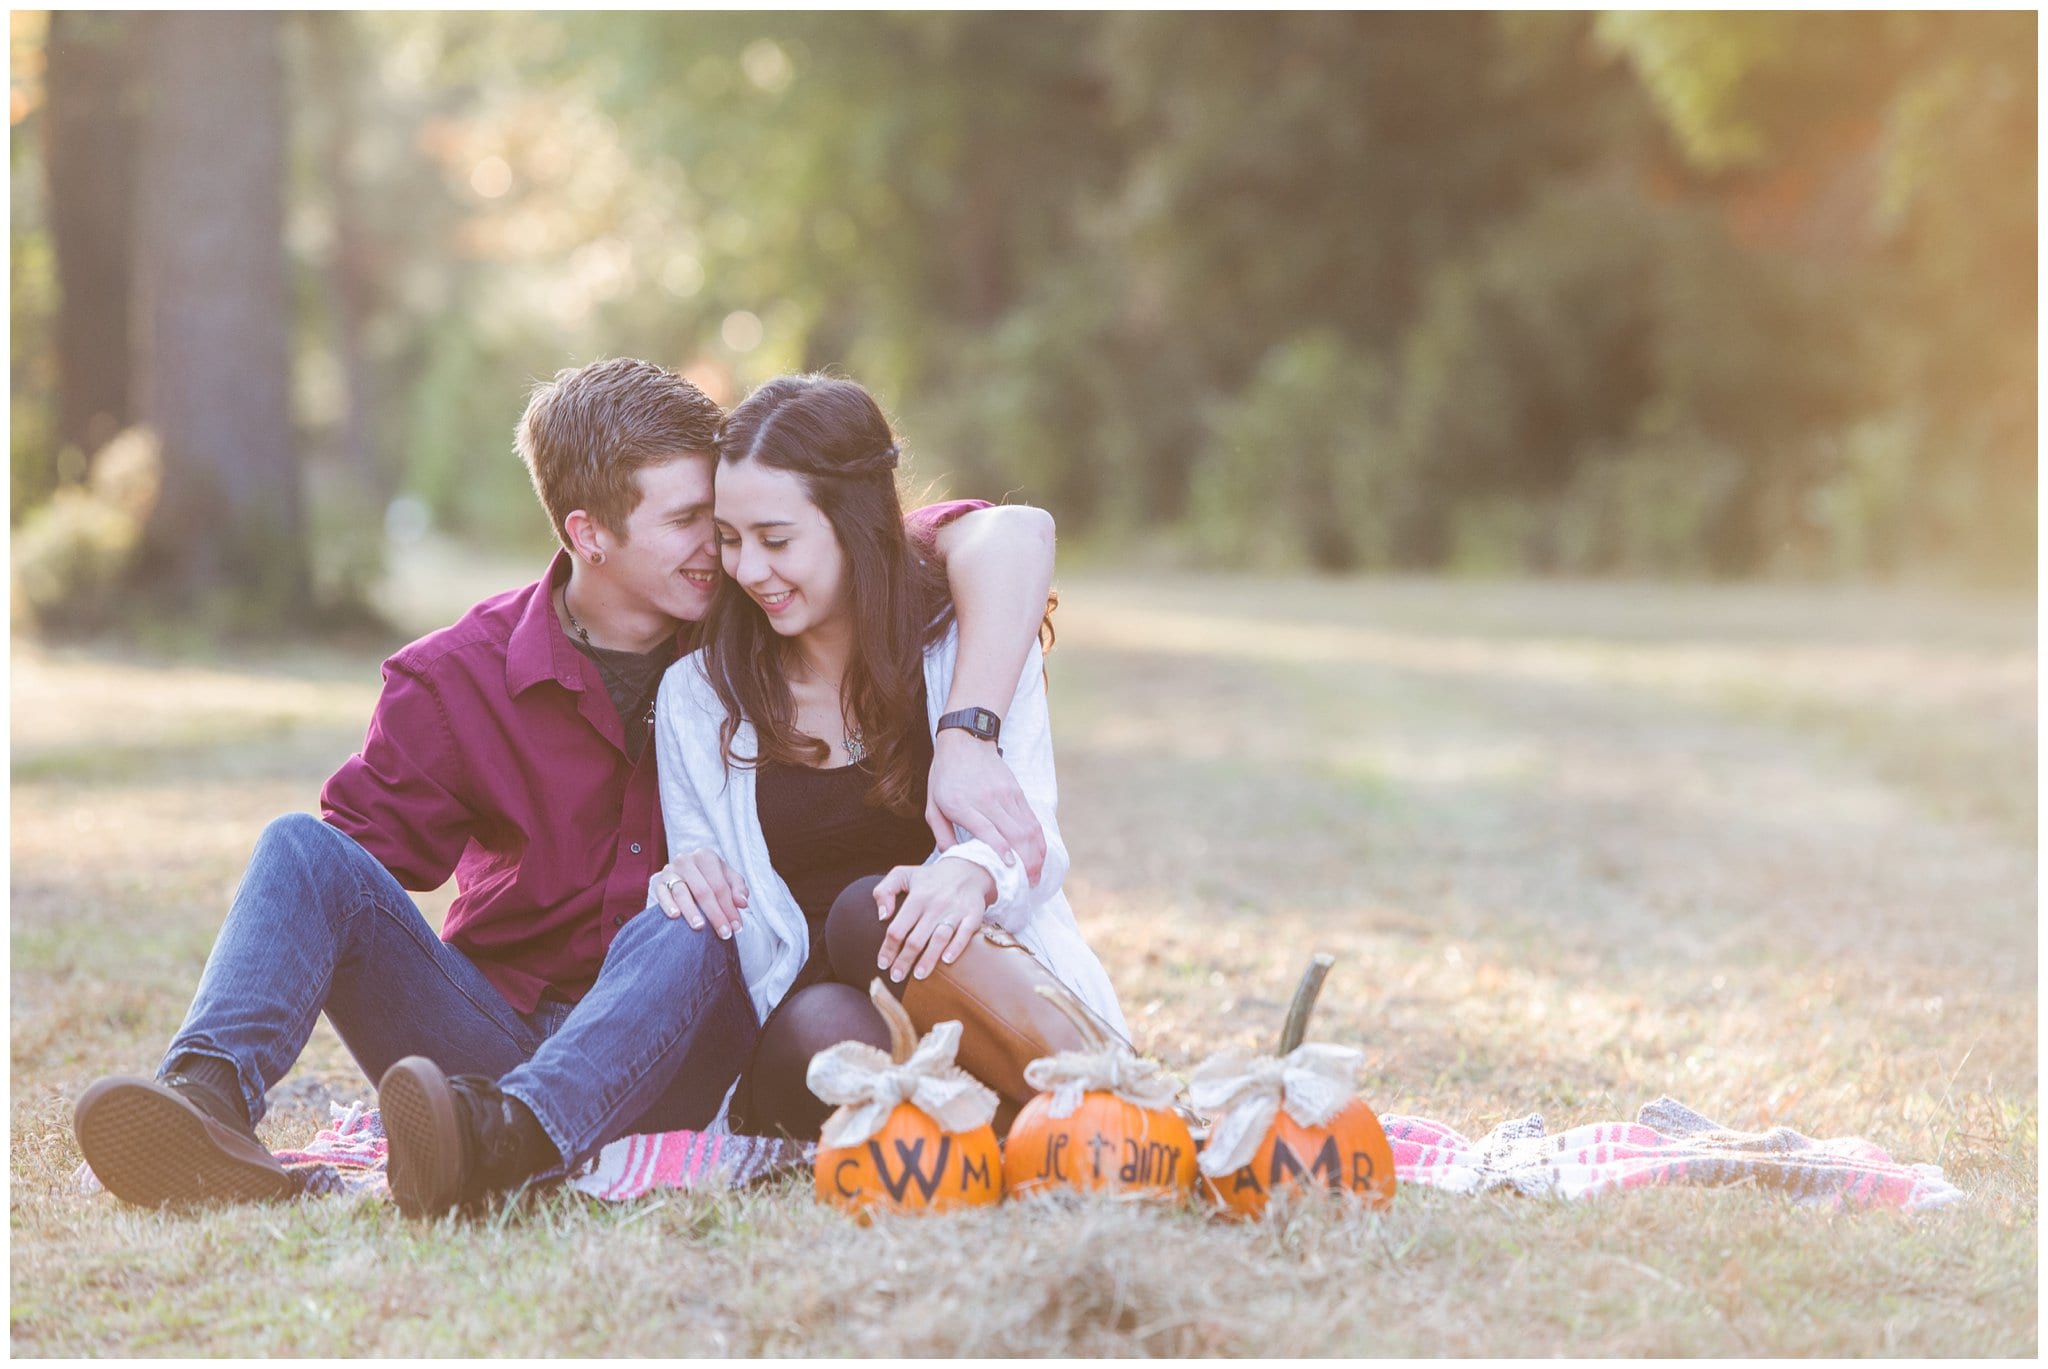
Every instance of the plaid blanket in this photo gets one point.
(1668, 1143)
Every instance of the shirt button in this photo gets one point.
(636, 848)
(619, 921)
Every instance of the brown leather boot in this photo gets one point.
(455, 1142)
(174, 1141)
(991, 991)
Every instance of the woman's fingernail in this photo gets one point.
(882, 961)
(725, 933)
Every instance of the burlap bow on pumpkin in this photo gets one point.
(867, 1085)
(1244, 1093)
(1071, 1074)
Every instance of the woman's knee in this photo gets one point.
(854, 932)
(777, 1092)
(824, 1015)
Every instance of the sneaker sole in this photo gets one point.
(151, 1148)
(424, 1139)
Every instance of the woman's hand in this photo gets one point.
(701, 886)
(972, 786)
(942, 907)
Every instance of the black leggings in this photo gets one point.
(827, 1004)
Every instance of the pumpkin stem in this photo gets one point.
(902, 1032)
(1304, 1001)
(1092, 1035)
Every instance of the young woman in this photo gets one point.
(793, 749)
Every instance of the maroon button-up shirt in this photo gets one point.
(495, 755)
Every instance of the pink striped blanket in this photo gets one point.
(1667, 1144)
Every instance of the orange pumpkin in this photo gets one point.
(1347, 1153)
(913, 1163)
(1109, 1141)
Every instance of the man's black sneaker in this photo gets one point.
(455, 1142)
(172, 1141)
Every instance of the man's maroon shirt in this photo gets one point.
(495, 755)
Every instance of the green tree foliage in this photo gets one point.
(1721, 293)
(1305, 464)
(1899, 152)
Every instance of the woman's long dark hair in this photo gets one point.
(832, 435)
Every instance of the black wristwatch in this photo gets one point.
(977, 722)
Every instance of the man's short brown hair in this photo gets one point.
(586, 434)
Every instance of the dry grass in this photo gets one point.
(1769, 851)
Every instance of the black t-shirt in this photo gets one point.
(631, 679)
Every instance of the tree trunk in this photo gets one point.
(89, 172)
(213, 337)
(355, 266)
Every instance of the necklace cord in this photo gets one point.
(612, 679)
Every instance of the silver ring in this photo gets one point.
(671, 882)
(943, 927)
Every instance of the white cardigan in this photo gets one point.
(706, 805)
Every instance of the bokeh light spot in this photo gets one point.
(683, 276)
(741, 331)
(491, 177)
(767, 66)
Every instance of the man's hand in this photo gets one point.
(699, 887)
(971, 786)
(943, 906)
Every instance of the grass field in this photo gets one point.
(1769, 851)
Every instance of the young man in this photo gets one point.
(510, 750)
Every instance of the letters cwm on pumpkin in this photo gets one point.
(912, 1131)
(1291, 1121)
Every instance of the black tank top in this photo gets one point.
(822, 834)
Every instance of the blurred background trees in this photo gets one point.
(1655, 293)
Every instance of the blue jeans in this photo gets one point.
(319, 924)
